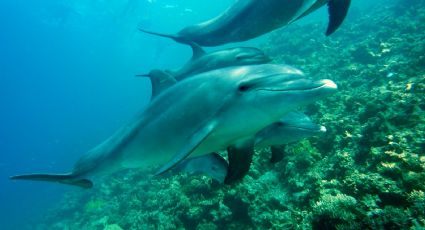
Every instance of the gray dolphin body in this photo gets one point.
(293, 127)
(202, 61)
(247, 19)
(197, 116)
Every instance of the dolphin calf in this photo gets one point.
(247, 19)
(198, 116)
(292, 127)
(202, 61)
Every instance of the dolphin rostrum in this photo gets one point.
(247, 19)
(198, 116)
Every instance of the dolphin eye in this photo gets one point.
(243, 87)
(241, 57)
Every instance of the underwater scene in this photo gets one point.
(229, 114)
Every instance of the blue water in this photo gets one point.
(66, 83)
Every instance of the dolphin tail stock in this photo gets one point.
(337, 9)
(67, 178)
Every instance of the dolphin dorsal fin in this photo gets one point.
(197, 50)
(160, 81)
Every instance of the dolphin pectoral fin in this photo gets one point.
(278, 152)
(197, 50)
(59, 178)
(192, 143)
(212, 165)
(337, 11)
(240, 158)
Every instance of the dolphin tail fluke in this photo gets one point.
(337, 11)
(59, 178)
(176, 38)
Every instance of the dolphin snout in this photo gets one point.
(329, 84)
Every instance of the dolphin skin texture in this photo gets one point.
(198, 116)
(248, 19)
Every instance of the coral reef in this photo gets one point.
(367, 172)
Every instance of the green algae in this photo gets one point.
(366, 172)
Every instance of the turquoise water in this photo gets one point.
(67, 82)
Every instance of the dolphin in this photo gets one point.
(202, 61)
(198, 116)
(247, 19)
(292, 127)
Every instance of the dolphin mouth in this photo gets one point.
(312, 86)
(311, 129)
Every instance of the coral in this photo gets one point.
(335, 211)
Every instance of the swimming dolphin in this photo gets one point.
(202, 61)
(292, 127)
(247, 19)
(197, 116)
